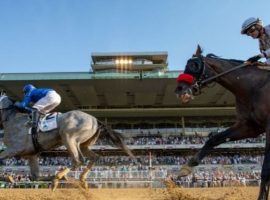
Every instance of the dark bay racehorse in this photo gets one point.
(251, 88)
(76, 131)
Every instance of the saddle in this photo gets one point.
(45, 124)
(48, 122)
(263, 66)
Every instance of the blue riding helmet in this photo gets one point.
(27, 88)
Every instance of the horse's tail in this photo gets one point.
(115, 137)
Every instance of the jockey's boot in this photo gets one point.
(33, 119)
(28, 124)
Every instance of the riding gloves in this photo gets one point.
(255, 58)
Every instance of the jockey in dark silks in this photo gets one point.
(43, 100)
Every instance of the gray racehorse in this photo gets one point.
(76, 131)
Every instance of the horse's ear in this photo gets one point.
(198, 51)
(2, 93)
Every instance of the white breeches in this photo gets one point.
(48, 103)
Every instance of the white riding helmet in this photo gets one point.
(250, 22)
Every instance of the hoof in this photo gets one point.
(10, 179)
(64, 178)
(55, 184)
(62, 173)
(169, 183)
(84, 184)
(185, 170)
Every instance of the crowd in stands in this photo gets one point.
(176, 140)
(218, 179)
(144, 160)
(168, 140)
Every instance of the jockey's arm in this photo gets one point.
(27, 109)
(22, 109)
(266, 53)
(24, 104)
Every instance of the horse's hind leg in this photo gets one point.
(93, 157)
(77, 159)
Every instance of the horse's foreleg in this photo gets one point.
(34, 170)
(264, 190)
(34, 167)
(267, 191)
(237, 132)
(265, 174)
(7, 178)
(7, 153)
(213, 141)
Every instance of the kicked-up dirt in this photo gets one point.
(225, 193)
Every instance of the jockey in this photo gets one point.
(43, 100)
(254, 28)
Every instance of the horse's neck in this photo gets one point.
(14, 129)
(13, 119)
(237, 81)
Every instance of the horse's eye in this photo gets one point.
(178, 89)
(194, 67)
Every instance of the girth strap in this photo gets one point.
(36, 144)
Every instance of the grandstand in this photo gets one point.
(134, 94)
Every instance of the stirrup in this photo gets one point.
(28, 124)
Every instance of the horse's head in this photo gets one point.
(5, 104)
(184, 87)
(188, 83)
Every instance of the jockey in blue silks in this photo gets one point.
(43, 100)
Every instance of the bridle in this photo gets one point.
(203, 78)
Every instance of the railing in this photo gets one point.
(138, 179)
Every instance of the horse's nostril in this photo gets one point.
(179, 88)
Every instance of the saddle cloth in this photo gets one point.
(48, 122)
(264, 66)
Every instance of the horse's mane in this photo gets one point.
(211, 55)
(13, 100)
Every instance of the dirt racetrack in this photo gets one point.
(226, 193)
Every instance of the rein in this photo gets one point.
(7, 108)
(223, 73)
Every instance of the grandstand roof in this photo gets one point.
(118, 94)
